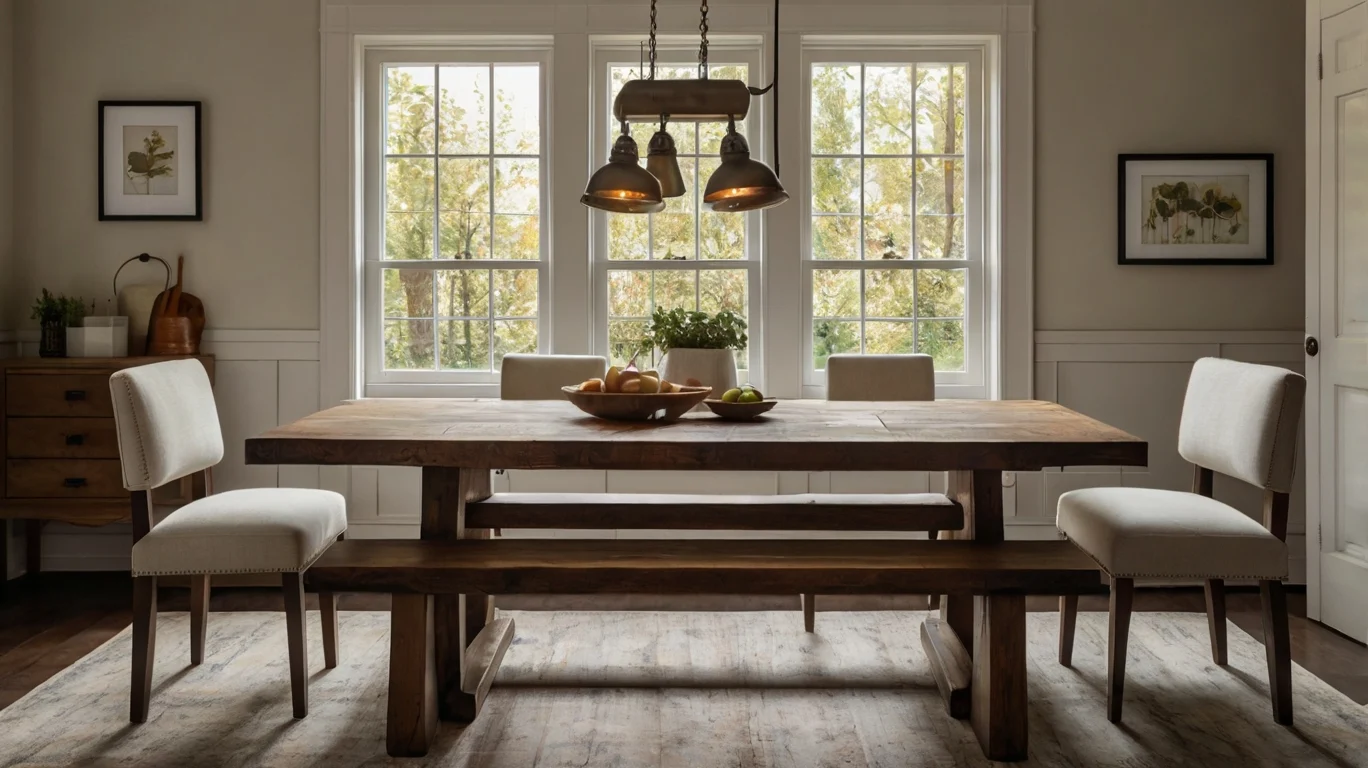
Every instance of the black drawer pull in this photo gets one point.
(74, 482)
(73, 395)
(75, 439)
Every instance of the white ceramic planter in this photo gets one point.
(715, 368)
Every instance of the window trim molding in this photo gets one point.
(376, 57)
(348, 26)
(975, 380)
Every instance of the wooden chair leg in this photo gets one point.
(933, 601)
(1278, 647)
(809, 612)
(144, 646)
(1122, 592)
(1068, 618)
(199, 616)
(1216, 619)
(327, 610)
(292, 585)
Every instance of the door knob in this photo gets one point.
(1312, 346)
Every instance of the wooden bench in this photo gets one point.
(414, 571)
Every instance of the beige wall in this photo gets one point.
(6, 158)
(254, 64)
(1118, 76)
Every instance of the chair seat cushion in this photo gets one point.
(261, 530)
(1148, 533)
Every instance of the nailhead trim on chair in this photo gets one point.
(137, 429)
(1167, 575)
(300, 569)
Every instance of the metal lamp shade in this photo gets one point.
(662, 160)
(740, 183)
(622, 186)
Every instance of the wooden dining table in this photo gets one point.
(456, 442)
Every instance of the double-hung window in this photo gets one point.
(893, 247)
(686, 256)
(455, 250)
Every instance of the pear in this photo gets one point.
(631, 386)
(612, 381)
(592, 385)
(649, 384)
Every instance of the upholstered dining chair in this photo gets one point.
(540, 377)
(877, 377)
(1239, 420)
(168, 429)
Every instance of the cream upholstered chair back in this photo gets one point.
(1240, 419)
(166, 421)
(540, 377)
(881, 377)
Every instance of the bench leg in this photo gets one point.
(998, 701)
(411, 720)
(809, 611)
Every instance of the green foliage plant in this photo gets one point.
(49, 309)
(680, 329)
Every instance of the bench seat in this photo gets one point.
(746, 567)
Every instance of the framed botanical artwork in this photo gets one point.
(1195, 209)
(150, 161)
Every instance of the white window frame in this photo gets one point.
(974, 380)
(675, 51)
(376, 380)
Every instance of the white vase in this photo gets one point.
(714, 368)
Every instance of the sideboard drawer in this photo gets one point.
(68, 394)
(64, 478)
(52, 438)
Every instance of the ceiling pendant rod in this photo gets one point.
(703, 41)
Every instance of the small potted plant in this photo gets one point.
(54, 314)
(698, 347)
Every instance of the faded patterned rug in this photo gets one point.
(681, 689)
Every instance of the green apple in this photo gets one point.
(731, 395)
(749, 396)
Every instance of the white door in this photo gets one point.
(1340, 325)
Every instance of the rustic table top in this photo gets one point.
(798, 435)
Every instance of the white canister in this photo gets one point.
(715, 368)
(99, 336)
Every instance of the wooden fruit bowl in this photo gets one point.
(739, 411)
(662, 406)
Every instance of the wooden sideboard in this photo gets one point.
(60, 447)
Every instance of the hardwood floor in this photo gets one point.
(48, 623)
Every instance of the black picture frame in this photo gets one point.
(1123, 256)
(198, 163)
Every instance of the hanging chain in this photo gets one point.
(652, 44)
(703, 44)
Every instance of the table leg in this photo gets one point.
(411, 719)
(998, 703)
(457, 619)
(949, 641)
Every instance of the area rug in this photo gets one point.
(681, 689)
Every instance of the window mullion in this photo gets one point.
(864, 236)
(436, 209)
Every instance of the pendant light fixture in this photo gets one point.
(662, 160)
(740, 183)
(623, 186)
